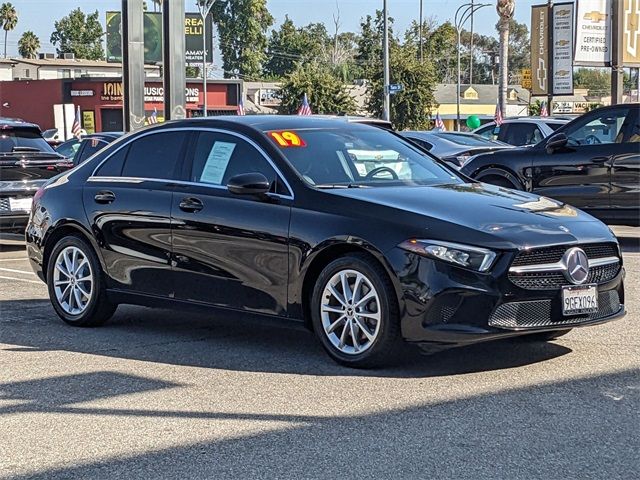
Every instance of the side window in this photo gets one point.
(155, 156)
(519, 134)
(605, 127)
(113, 166)
(424, 144)
(634, 134)
(91, 146)
(486, 132)
(218, 157)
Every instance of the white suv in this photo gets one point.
(522, 131)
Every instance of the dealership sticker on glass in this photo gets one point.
(287, 139)
(217, 162)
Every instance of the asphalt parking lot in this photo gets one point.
(160, 394)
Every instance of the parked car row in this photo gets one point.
(522, 131)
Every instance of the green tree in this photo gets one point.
(289, 45)
(369, 51)
(326, 93)
(412, 107)
(8, 20)
(596, 80)
(440, 50)
(79, 34)
(28, 45)
(242, 30)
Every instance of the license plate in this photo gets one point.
(23, 204)
(579, 299)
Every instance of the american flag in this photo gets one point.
(153, 118)
(240, 109)
(544, 111)
(76, 128)
(439, 124)
(498, 115)
(304, 109)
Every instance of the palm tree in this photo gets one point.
(28, 45)
(505, 10)
(8, 20)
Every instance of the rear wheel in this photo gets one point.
(74, 281)
(354, 312)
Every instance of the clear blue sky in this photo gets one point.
(39, 15)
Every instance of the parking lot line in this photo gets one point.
(12, 270)
(20, 279)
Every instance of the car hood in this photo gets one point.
(492, 216)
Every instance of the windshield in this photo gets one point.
(468, 140)
(358, 156)
(22, 140)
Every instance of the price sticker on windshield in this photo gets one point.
(287, 138)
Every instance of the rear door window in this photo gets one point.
(112, 167)
(89, 147)
(158, 155)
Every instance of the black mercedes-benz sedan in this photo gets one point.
(592, 162)
(349, 228)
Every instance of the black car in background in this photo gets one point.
(79, 149)
(27, 161)
(348, 228)
(592, 163)
(455, 148)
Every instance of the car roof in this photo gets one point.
(16, 122)
(265, 123)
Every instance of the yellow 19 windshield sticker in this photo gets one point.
(287, 138)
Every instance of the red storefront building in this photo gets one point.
(100, 100)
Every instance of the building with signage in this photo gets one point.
(48, 67)
(100, 100)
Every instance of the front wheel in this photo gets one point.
(76, 288)
(354, 312)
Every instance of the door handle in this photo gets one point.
(191, 205)
(104, 196)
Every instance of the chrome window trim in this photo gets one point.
(94, 178)
(560, 266)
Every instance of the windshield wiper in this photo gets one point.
(338, 185)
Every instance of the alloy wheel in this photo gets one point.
(350, 311)
(73, 280)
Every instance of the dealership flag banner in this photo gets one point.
(563, 49)
(540, 50)
(631, 35)
(593, 33)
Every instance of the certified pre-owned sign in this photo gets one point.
(593, 33)
(563, 49)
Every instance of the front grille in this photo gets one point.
(5, 206)
(552, 280)
(537, 313)
(554, 254)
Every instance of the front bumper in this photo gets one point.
(443, 305)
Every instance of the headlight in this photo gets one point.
(476, 258)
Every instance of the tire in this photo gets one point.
(79, 309)
(378, 315)
(500, 182)
(544, 336)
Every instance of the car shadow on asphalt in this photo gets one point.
(171, 337)
(578, 428)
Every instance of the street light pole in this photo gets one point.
(386, 113)
(421, 5)
(204, 7)
(459, 19)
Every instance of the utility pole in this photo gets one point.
(471, 45)
(204, 7)
(421, 5)
(617, 52)
(550, 58)
(505, 10)
(386, 106)
(132, 65)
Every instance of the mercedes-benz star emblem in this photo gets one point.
(577, 264)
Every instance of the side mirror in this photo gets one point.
(249, 184)
(556, 141)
